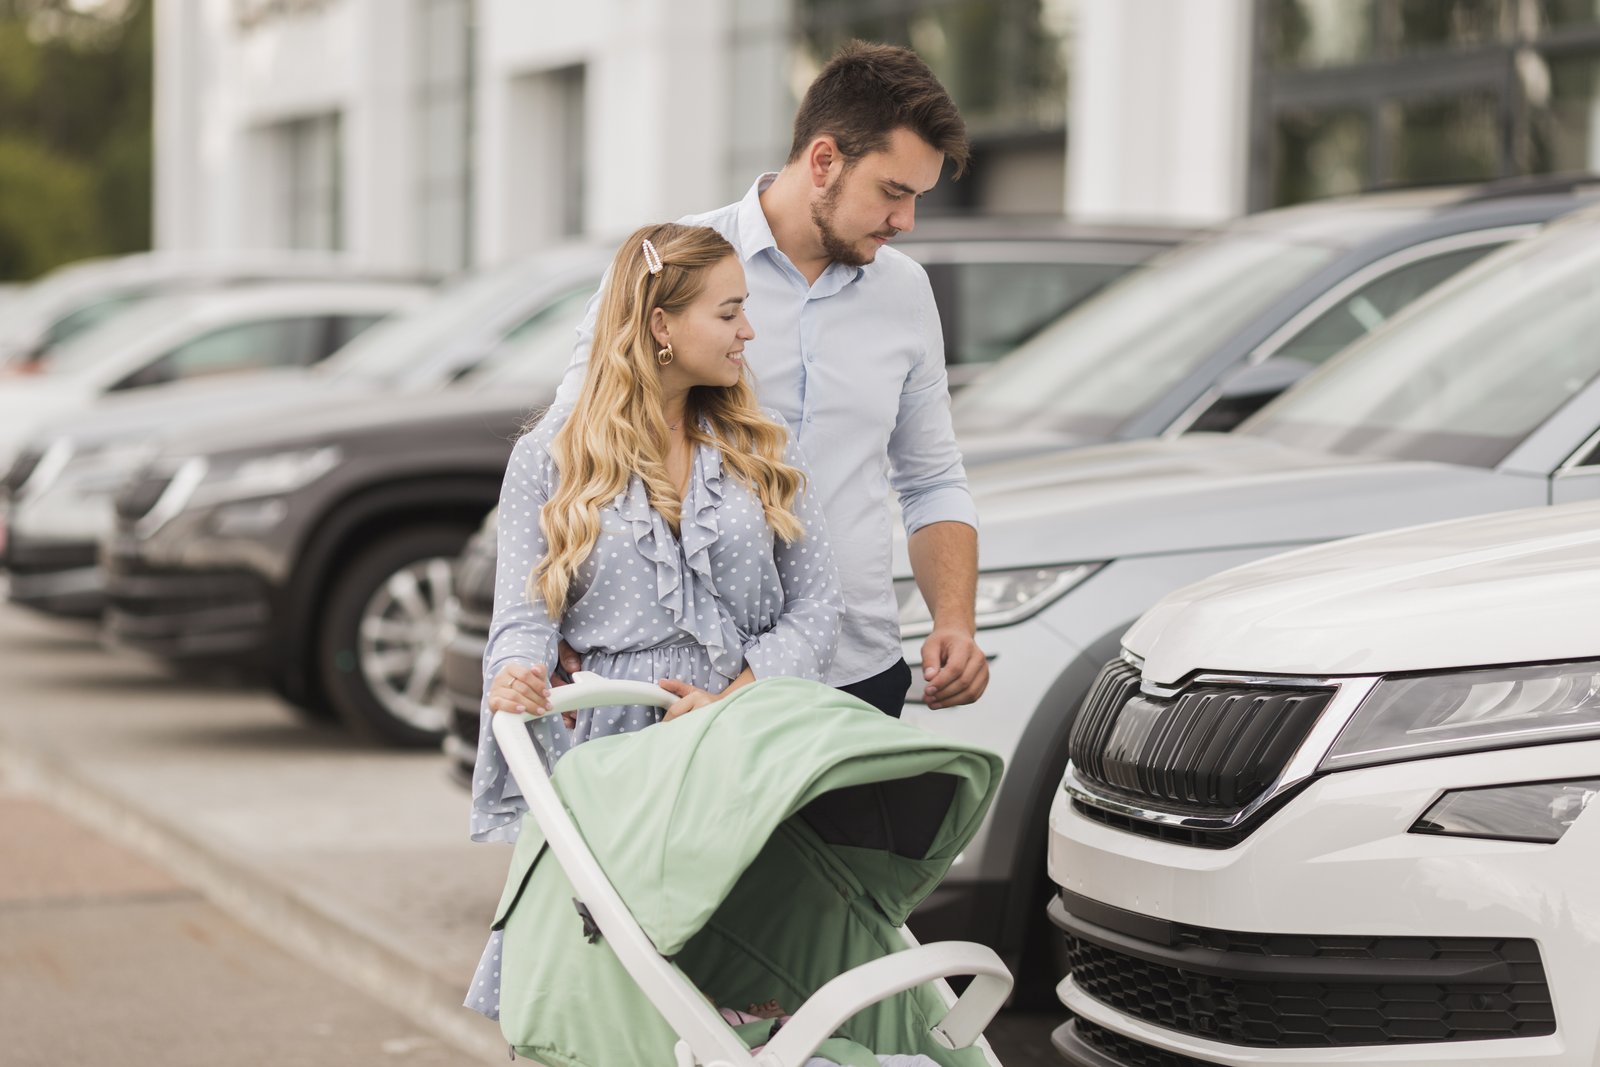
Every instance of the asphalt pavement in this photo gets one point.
(191, 872)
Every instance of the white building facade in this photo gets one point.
(449, 134)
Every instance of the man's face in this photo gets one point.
(867, 202)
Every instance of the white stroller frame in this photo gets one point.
(705, 1039)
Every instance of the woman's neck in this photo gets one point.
(673, 408)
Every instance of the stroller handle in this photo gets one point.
(590, 690)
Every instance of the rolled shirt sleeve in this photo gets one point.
(802, 642)
(925, 466)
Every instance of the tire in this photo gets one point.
(381, 638)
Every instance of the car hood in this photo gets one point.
(979, 450)
(350, 419)
(1512, 587)
(29, 405)
(163, 410)
(1211, 492)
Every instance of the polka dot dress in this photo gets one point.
(646, 604)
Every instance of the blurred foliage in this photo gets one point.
(75, 118)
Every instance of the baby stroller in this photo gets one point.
(767, 847)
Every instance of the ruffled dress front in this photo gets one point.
(646, 605)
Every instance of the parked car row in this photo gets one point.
(1077, 543)
(298, 524)
(1436, 356)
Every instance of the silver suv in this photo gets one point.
(1482, 397)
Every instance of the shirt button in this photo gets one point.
(808, 418)
(811, 357)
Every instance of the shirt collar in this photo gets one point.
(755, 233)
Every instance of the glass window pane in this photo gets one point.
(1464, 380)
(1109, 358)
(248, 346)
(1374, 304)
(1558, 14)
(1004, 61)
(1442, 140)
(1566, 127)
(1420, 25)
(1319, 153)
(1319, 33)
(994, 307)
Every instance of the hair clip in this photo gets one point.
(652, 258)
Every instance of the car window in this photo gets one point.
(1469, 374)
(85, 318)
(1376, 303)
(537, 352)
(1108, 359)
(280, 342)
(988, 309)
(419, 346)
(345, 328)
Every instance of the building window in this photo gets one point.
(1004, 63)
(445, 118)
(1360, 94)
(312, 186)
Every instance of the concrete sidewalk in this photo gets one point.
(354, 859)
(105, 959)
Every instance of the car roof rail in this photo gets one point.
(1534, 185)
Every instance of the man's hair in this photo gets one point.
(869, 90)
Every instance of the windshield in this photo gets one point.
(537, 352)
(84, 352)
(1470, 372)
(1107, 360)
(415, 348)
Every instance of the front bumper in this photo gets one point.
(1336, 864)
(57, 577)
(220, 615)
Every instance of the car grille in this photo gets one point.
(22, 468)
(1208, 750)
(1126, 1052)
(1364, 1005)
(139, 495)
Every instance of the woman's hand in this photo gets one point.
(520, 689)
(689, 698)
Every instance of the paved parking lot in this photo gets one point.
(286, 834)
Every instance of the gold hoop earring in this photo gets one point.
(664, 356)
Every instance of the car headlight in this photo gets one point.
(1534, 811)
(1470, 711)
(260, 476)
(1004, 597)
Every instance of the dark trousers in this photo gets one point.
(886, 691)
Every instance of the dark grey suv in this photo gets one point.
(315, 548)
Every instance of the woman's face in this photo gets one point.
(708, 336)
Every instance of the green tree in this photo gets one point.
(75, 116)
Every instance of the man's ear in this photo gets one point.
(658, 327)
(821, 157)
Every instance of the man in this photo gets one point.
(848, 349)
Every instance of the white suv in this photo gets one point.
(1329, 808)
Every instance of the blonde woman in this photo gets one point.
(661, 526)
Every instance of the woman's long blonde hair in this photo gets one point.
(618, 428)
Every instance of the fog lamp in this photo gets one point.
(1535, 811)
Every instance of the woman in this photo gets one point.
(660, 527)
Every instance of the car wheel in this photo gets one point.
(383, 637)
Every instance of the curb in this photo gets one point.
(316, 931)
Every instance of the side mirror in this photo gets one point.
(1242, 392)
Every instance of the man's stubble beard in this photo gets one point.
(838, 249)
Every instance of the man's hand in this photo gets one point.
(954, 669)
(689, 698)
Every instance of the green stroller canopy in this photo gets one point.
(764, 844)
(676, 814)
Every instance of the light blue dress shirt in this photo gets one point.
(855, 364)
